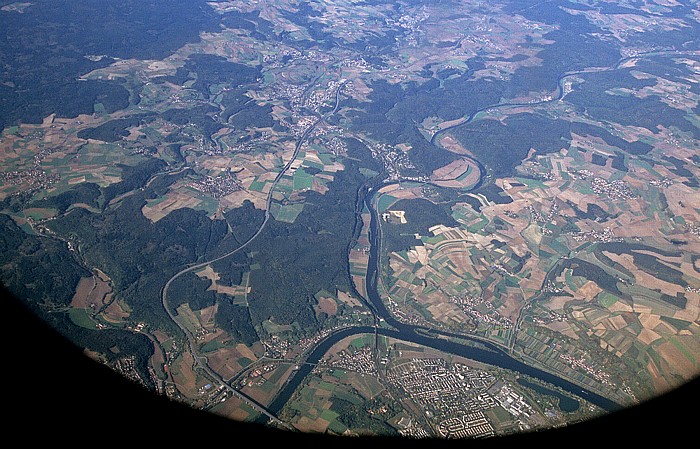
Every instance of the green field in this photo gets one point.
(287, 213)
(607, 299)
(385, 201)
(302, 180)
(464, 175)
(326, 158)
(478, 226)
(211, 346)
(368, 173)
(80, 317)
(257, 186)
(312, 164)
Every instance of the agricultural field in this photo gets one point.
(199, 199)
(513, 267)
(359, 255)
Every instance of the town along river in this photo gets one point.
(478, 350)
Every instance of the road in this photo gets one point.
(201, 360)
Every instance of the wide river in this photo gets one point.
(485, 352)
(478, 350)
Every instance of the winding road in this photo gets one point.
(201, 360)
(376, 305)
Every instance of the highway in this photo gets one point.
(201, 360)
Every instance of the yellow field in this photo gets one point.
(174, 200)
(447, 175)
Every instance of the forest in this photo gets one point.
(44, 52)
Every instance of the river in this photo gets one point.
(486, 352)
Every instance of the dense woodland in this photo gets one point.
(42, 273)
(44, 52)
(310, 255)
(420, 215)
